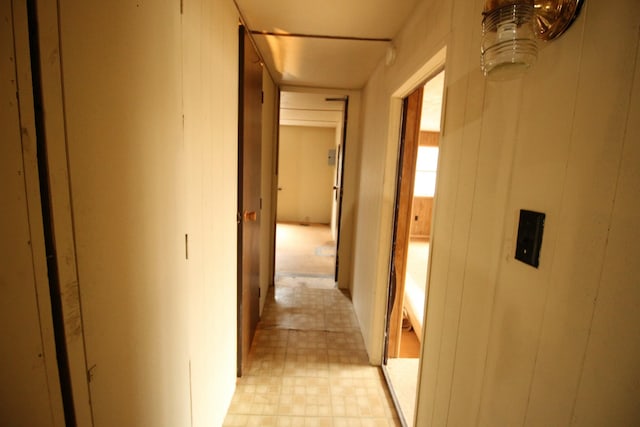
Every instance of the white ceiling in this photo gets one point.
(325, 110)
(324, 62)
(310, 109)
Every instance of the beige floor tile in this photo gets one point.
(308, 365)
(235, 420)
(262, 421)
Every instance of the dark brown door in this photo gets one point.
(402, 223)
(339, 181)
(249, 160)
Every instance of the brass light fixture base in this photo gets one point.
(554, 17)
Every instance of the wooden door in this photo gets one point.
(249, 203)
(339, 190)
(403, 215)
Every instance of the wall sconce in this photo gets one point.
(510, 29)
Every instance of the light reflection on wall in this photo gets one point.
(426, 168)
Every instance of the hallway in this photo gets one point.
(308, 365)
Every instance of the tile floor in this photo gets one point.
(308, 365)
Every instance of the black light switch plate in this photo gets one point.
(529, 240)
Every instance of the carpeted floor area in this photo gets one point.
(404, 377)
(304, 250)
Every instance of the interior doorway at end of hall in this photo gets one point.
(310, 165)
(408, 287)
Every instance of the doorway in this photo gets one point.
(408, 284)
(310, 158)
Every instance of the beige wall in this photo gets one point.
(30, 394)
(150, 103)
(305, 176)
(507, 344)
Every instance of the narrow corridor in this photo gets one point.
(308, 365)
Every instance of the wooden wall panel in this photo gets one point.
(429, 139)
(210, 91)
(609, 387)
(30, 394)
(403, 221)
(505, 343)
(153, 158)
(421, 213)
(123, 126)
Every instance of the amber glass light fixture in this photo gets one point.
(510, 29)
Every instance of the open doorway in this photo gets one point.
(310, 158)
(415, 194)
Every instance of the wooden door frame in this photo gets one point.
(428, 70)
(408, 153)
(339, 187)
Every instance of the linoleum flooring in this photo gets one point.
(308, 365)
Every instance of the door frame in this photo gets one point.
(405, 180)
(339, 187)
(351, 155)
(429, 69)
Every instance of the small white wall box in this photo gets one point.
(331, 157)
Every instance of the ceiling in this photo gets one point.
(310, 109)
(325, 44)
(325, 110)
